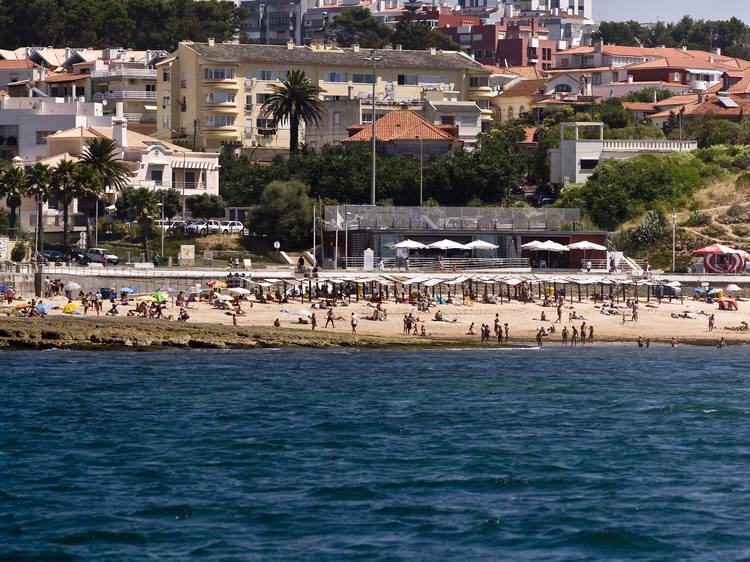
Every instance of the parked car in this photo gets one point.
(214, 227)
(96, 254)
(232, 227)
(180, 226)
(197, 227)
(75, 253)
(164, 225)
(52, 256)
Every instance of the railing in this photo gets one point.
(667, 145)
(136, 95)
(434, 264)
(125, 72)
(138, 118)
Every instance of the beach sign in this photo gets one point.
(369, 260)
(187, 253)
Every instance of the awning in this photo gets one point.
(150, 107)
(178, 162)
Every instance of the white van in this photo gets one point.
(95, 254)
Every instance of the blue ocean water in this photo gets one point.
(546, 454)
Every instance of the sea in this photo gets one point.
(590, 453)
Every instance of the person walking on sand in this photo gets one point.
(583, 333)
(565, 336)
(559, 313)
(354, 323)
(506, 332)
(313, 321)
(574, 337)
(711, 323)
(591, 334)
(634, 318)
(329, 318)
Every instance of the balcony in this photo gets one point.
(139, 118)
(125, 72)
(125, 95)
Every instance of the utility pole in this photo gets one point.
(372, 58)
(420, 169)
(195, 130)
(674, 230)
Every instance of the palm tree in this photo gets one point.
(102, 156)
(62, 188)
(12, 187)
(39, 185)
(296, 99)
(87, 185)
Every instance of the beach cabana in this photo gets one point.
(718, 258)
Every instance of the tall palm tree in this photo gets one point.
(39, 186)
(12, 187)
(87, 186)
(102, 156)
(296, 99)
(62, 188)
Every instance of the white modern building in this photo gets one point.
(575, 160)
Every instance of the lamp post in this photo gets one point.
(674, 229)
(421, 160)
(346, 238)
(372, 58)
(184, 156)
(162, 224)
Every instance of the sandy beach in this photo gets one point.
(656, 322)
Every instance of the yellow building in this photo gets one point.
(517, 100)
(215, 91)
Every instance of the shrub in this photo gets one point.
(697, 219)
(735, 214)
(19, 251)
(742, 181)
(735, 211)
(715, 231)
(741, 231)
(4, 222)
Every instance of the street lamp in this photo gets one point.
(346, 238)
(420, 169)
(674, 229)
(162, 224)
(372, 58)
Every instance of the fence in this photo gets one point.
(448, 264)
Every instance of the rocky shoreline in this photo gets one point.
(142, 334)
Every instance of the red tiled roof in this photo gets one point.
(677, 100)
(638, 106)
(525, 88)
(710, 106)
(11, 64)
(401, 124)
(53, 78)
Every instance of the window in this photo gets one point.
(562, 88)
(165, 122)
(166, 76)
(40, 136)
(336, 118)
(564, 62)
(261, 98)
(362, 78)
(489, 53)
(219, 97)
(166, 100)
(430, 80)
(214, 121)
(510, 113)
(448, 120)
(407, 79)
(479, 82)
(248, 102)
(335, 77)
(476, 37)
(266, 75)
(150, 87)
(483, 104)
(13, 78)
(469, 121)
(676, 76)
(157, 175)
(218, 73)
(589, 163)
(265, 123)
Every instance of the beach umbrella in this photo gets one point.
(732, 287)
(193, 290)
(716, 249)
(145, 298)
(586, 245)
(713, 291)
(71, 307)
(43, 307)
(533, 245)
(128, 290)
(166, 289)
(446, 244)
(480, 245)
(225, 298)
(72, 287)
(238, 291)
(410, 245)
(4, 287)
(216, 284)
(160, 296)
(674, 284)
(550, 246)
(699, 289)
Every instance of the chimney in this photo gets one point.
(211, 42)
(120, 127)
(355, 47)
(290, 45)
(655, 99)
(717, 51)
(433, 51)
(700, 97)
(711, 60)
(630, 78)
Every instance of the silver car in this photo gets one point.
(232, 227)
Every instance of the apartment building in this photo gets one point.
(216, 91)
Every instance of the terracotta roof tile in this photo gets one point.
(524, 88)
(401, 124)
(638, 106)
(11, 64)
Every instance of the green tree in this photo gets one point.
(646, 95)
(142, 205)
(4, 222)
(172, 202)
(296, 99)
(12, 187)
(102, 156)
(284, 213)
(39, 186)
(417, 35)
(613, 114)
(358, 25)
(205, 206)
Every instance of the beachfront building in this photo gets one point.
(576, 158)
(359, 227)
(214, 92)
